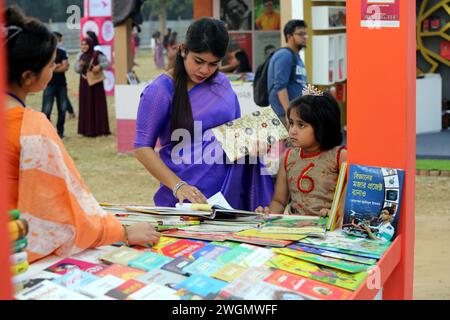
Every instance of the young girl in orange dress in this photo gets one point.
(309, 170)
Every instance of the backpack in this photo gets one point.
(260, 92)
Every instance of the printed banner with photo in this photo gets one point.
(265, 44)
(239, 41)
(267, 15)
(237, 14)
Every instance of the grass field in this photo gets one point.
(425, 164)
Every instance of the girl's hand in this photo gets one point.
(264, 210)
(142, 233)
(325, 212)
(191, 193)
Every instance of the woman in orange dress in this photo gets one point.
(63, 216)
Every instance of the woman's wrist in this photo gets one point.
(177, 187)
(125, 234)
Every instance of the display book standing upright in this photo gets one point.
(373, 199)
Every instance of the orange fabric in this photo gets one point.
(63, 216)
(13, 119)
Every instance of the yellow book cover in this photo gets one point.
(229, 272)
(320, 273)
(279, 236)
(334, 219)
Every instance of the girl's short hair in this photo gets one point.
(30, 44)
(323, 114)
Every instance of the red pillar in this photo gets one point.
(381, 116)
(5, 243)
(203, 8)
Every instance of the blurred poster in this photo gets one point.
(267, 15)
(265, 44)
(377, 14)
(237, 14)
(239, 42)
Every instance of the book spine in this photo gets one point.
(17, 229)
(19, 245)
(19, 257)
(19, 268)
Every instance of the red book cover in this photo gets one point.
(124, 290)
(307, 287)
(426, 25)
(66, 265)
(180, 248)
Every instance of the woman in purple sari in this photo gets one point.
(188, 102)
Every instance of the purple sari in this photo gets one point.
(214, 104)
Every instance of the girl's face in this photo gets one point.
(200, 66)
(84, 46)
(40, 80)
(301, 133)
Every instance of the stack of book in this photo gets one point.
(18, 230)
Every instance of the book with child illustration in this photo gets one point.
(240, 136)
(372, 204)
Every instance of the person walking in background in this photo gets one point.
(158, 56)
(286, 76)
(43, 182)
(57, 88)
(69, 107)
(93, 112)
(172, 49)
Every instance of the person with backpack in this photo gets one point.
(286, 73)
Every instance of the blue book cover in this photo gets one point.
(202, 285)
(149, 261)
(75, 279)
(372, 203)
(210, 251)
(177, 265)
(203, 266)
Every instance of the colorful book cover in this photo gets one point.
(93, 254)
(346, 280)
(149, 261)
(229, 272)
(257, 233)
(203, 266)
(125, 289)
(98, 288)
(163, 241)
(162, 277)
(296, 221)
(235, 255)
(307, 287)
(154, 291)
(257, 258)
(68, 264)
(372, 204)
(228, 244)
(208, 236)
(47, 290)
(182, 247)
(312, 231)
(187, 295)
(210, 251)
(276, 243)
(334, 219)
(75, 279)
(177, 265)
(121, 256)
(350, 267)
(241, 289)
(256, 274)
(121, 271)
(340, 242)
(202, 285)
(331, 254)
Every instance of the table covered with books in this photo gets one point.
(216, 254)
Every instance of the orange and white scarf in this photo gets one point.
(63, 216)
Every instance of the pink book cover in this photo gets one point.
(182, 247)
(66, 265)
(311, 288)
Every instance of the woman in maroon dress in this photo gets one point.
(93, 112)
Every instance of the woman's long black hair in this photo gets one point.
(204, 35)
(30, 44)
